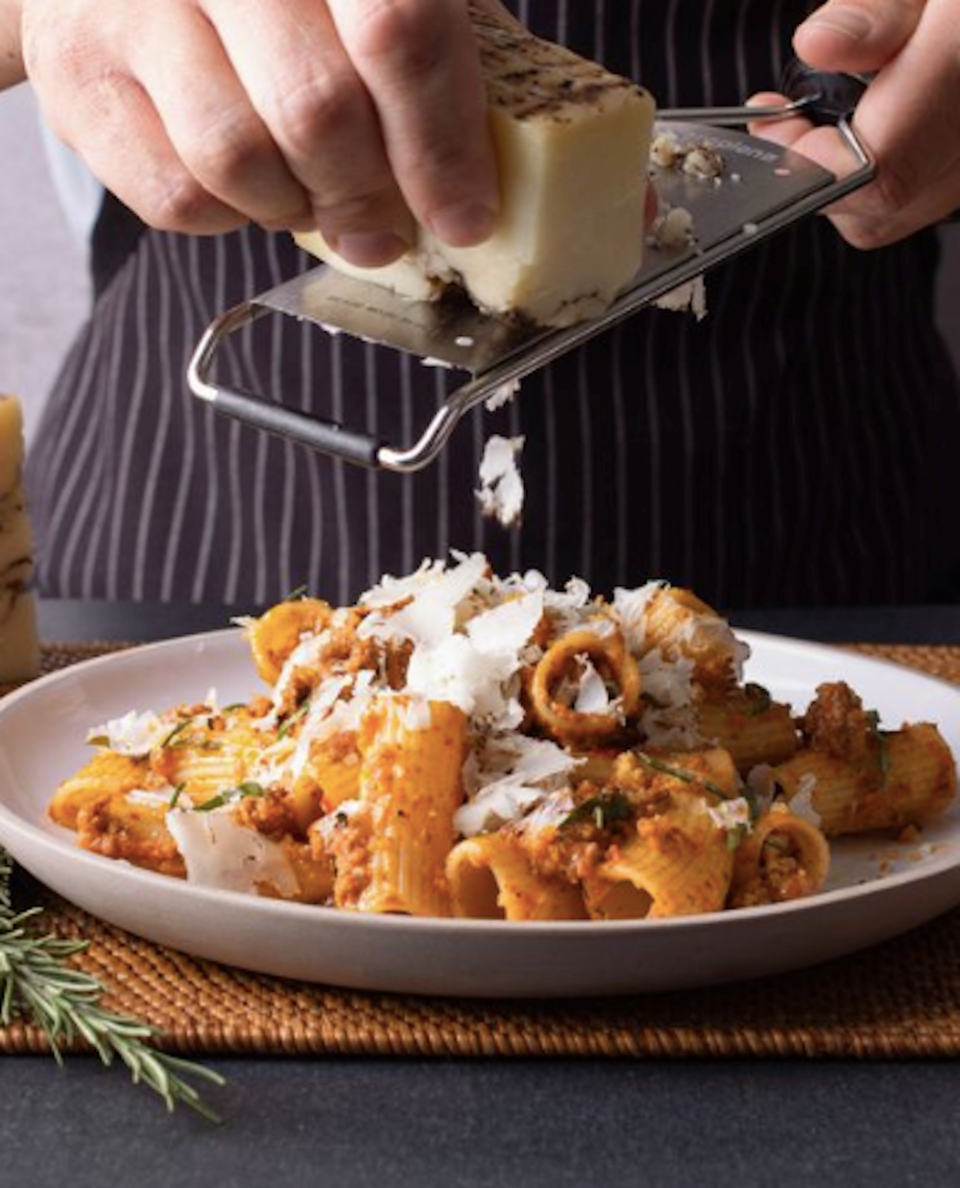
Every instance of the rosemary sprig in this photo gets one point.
(65, 1003)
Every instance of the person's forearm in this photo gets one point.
(11, 54)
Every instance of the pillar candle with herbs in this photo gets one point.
(19, 646)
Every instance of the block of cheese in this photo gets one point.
(19, 646)
(572, 144)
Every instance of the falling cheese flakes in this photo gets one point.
(501, 490)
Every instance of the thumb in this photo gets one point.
(857, 35)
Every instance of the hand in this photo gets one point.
(909, 118)
(354, 116)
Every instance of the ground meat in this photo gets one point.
(137, 835)
(837, 724)
(272, 814)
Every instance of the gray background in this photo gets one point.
(44, 288)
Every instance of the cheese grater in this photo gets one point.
(763, 189)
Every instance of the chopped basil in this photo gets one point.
(883, 745)
(99, 740)
(177, 793)
(753, 804)
(214, 802)
(760, 699)
(735, 836)
(679, 773)
(177, 730)
(244, 791)
(296, 595)
(294, 718)
(604, 809)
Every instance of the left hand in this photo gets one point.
(909, 119)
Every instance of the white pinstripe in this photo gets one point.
(339, 483)
(126, 460)
(172, 553)
(621, 452)
(98, 477)
(239, 523)
(211, 504)
(374, 567)
(654, 502)
(314, 553)
(155, 465)
(292, 456)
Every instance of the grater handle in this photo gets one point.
(828, 97)
(328, 437)
(817, 95)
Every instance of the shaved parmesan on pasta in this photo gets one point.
(221, 853)
(630, 607)
(134, 734)
(461, 743)
(507, 776)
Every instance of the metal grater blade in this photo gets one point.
(763, 189)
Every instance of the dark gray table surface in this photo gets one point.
(520, 1123)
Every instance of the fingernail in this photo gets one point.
(463, 225)
(853, 23)
(369, 249)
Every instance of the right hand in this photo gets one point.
(353, 116)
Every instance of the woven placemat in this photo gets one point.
(900, 999)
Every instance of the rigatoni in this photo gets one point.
(678, 862)
(751, 726)
(911, 778)
(683, 626)
(492, 877)
(106, 774)
(782, 857)
(459, 744)
(585, 687)
(409, 787)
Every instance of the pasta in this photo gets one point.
(459, 744)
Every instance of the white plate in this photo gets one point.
(878, 888)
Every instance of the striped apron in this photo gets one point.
(794, 448)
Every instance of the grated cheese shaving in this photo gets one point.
(503, 395)
(219, 852)
(592, 696)
(730, 814)
(134, 734)
(801, 803)
(501, 492)
(509, 775)
(630, 609)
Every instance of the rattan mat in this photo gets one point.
(900, 999)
